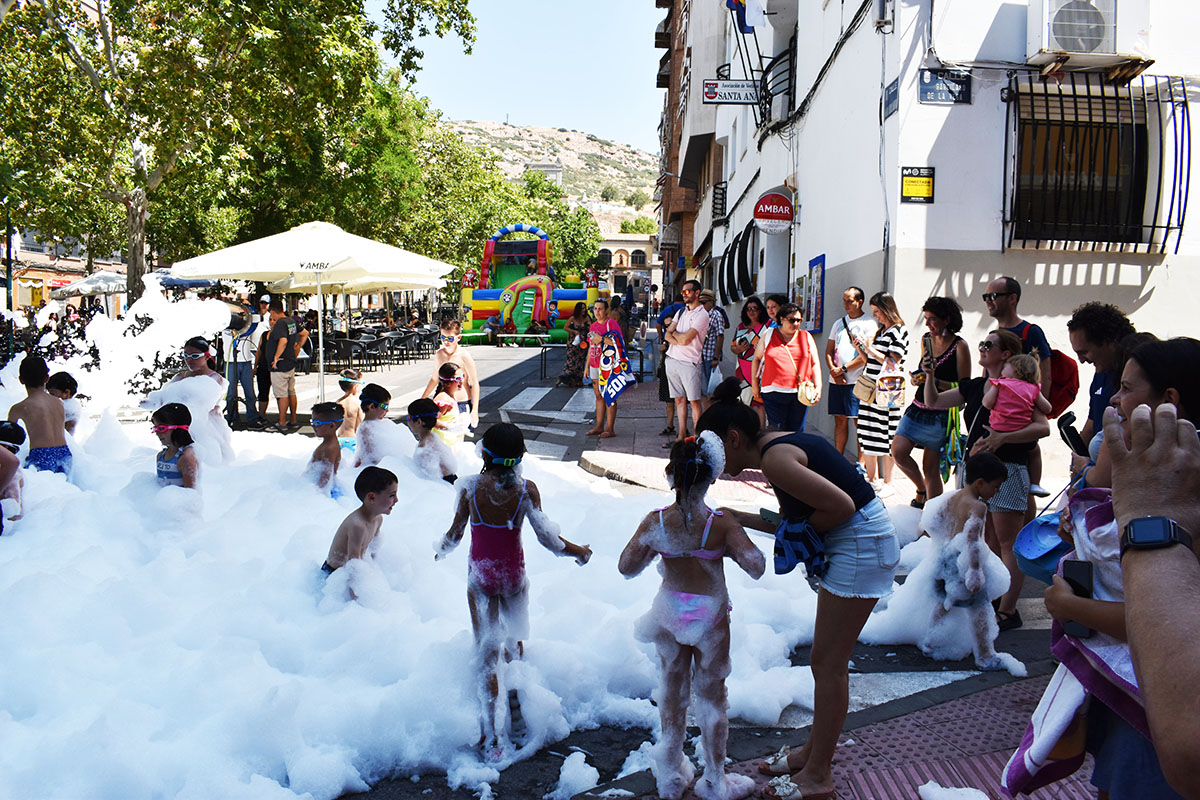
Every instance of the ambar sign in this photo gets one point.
(773, 213)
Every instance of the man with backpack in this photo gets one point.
(1001, 298)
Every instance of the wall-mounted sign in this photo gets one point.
(945, 86)
(718, 91)
(773, 213)
(916, 184)
(891, 98)
(810, 294)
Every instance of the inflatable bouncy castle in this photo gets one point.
(517, 280)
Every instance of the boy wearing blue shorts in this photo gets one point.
(44, 419)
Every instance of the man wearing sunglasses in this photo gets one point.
(448, 350)
(684, 335)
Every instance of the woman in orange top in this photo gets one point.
(784, 357)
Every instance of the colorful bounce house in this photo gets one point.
(517, 280)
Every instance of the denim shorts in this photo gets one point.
(925, 428)
(862, 554)
(842, 402)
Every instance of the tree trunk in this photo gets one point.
(136, 265)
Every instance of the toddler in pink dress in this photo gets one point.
(1015, 394)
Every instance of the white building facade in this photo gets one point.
(929, 148)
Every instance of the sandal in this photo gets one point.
(784, 788)
(777, 764)
(1008, 620)
(919, 500)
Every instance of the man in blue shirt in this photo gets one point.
(1096, 330)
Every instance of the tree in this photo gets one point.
(609, 193)
(139, 88)
(637, 198)
(574, 233)
(641, 224)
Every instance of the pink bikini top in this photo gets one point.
(708, 555)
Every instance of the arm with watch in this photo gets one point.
(1156, 499)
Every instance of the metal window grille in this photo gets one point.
(719, 194)
(1098, 166)
(777, 80)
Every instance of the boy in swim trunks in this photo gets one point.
(376, 488)
(352, 415)
(44, 419)
(375, 400)
(64, 386)
(956, 524)
(326, 417)
(689, 621)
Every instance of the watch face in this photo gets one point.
(1149, 530)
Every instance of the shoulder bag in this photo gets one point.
(806, 388)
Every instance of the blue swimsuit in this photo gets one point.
(50, 459)
(168, 468)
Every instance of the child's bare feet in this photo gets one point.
(727, 787)
(607, 435)
(594, 431)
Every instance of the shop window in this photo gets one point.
(1098, 166)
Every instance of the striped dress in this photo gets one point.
(877, 424)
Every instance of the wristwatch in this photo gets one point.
(1151, 533)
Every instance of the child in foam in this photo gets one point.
(43, 418)
(375, 400)
(432, 457)
(177, 464)
(350, 383)
(689, 621)
(967, 574)
(200, 361)
(64, 386)
(376, 488)
(496, 503)
(326, 417)
(450, 349)
(451, 421)
(11, 438)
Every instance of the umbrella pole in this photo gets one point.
(320, 342)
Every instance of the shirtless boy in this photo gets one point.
(326, 417)
(467, 393)
(350, 383)
(44, 419)
(376, 488)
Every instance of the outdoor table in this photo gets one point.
(545, 349)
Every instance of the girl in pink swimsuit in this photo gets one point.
(689, 621)
(496, 503)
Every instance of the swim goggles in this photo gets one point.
(503, 462)
(165, 428)
(316, 423)
(194, 356)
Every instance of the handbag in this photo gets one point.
(806, 389)
(864, 389)
(889, 385)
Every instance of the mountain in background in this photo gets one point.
(590, 165)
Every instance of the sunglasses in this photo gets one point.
(165, 428)
(447, 338)
(986, 345)
(990, 297)
(316, 423)
(194, 356)
(793, 320)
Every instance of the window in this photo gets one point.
(637, 258)
(606, 257)
(1098, 166)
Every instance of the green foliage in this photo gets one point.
(637, 198)
(610, 193)
(641, 224)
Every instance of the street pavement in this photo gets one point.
(939, 721)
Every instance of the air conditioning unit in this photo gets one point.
(1088, 33)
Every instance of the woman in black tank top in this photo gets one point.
(814, 484)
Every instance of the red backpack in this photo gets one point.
(1064, 378)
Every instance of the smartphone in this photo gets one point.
(1079, 575)
(772, 517)
(1066, 429)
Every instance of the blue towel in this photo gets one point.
(797, 541)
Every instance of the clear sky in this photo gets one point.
(589, 65)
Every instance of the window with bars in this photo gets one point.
(1098, 166)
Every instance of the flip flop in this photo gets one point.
(777, 764)
(784, 788)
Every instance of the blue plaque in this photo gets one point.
(891, 98)
(947, 86)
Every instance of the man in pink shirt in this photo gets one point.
(684, 335)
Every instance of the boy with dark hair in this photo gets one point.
(64, 386)
(374, 401)
(326, 417)
(43, 418)
(376, 488)
(962, 578)
(432, 456)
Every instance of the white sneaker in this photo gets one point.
(1037, 491)
(885, 490)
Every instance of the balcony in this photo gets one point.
(662, 34)
(777, 81)
(664, 71)
(662, 3)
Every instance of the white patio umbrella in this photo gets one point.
(312, 255)
(100, 282)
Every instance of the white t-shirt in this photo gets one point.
(843, 349)
(695, 319)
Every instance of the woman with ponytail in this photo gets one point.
(689, 621)
(831, 521)
(177, 464)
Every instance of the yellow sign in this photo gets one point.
(916, 185)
